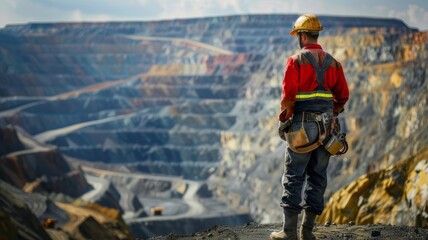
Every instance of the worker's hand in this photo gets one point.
(283, 128)
(337, 109)
(285, 115)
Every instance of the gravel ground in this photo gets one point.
(333, 232)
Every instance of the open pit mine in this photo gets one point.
(124, 130)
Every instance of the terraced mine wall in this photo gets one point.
(198, 98)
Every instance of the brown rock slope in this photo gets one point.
(34, 179)
(10, 141)
(92, 221)
(22, 214)
(396, 195)
(17, 221)
(35, 167)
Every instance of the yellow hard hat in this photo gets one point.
(306, 23)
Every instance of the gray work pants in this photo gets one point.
(311, 166)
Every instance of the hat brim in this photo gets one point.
(293, 32)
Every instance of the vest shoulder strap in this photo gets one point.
(319, 70)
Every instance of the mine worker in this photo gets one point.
(314, 92)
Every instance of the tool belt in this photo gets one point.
(298, 140)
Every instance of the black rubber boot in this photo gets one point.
(308, 224)
(289, 228)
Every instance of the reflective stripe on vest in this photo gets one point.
(324, 95)
(320, 92)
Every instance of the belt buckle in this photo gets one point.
(318, 117)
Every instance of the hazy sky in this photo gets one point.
(413, 12)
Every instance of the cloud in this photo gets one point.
(8, 13)
(280, 6)
(415, 16)
(11, 3)
(142, 2)
(78, 16)
(269, 6)
(203, 8)
(24, 11)
(197, 8)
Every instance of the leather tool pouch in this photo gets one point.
(297, 138)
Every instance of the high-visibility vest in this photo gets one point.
(319, 100)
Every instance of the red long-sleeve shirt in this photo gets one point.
(300, 77)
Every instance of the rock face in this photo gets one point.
(10, 141)
(22, 214)
(107, 196)
(40, 205)
(92, 221)
(39, 169)
(397, 195)
(17, 220)
(45, 176)
(198, 99)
